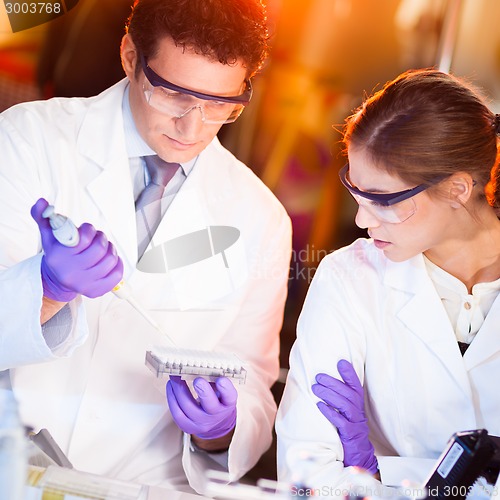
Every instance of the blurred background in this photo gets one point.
(326, 54)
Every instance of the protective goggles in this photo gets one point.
(387, 207)
(177, 101)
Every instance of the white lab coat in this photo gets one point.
(95, 395)
(388, 319)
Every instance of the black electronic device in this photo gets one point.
(468, 456)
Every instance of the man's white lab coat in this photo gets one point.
(94, 393)
(388, 320)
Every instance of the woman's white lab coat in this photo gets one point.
(102, 405)
(388, 319)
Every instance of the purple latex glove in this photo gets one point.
(212, 416)
(91, 268)
(343, 405)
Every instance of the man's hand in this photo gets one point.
(212, 415)
(91, 268)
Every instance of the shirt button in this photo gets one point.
(467, 305)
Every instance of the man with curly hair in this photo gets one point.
(76, 352)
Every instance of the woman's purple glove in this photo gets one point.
(91, 268)
(212, 416)
(343, 405)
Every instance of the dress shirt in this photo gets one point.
(466, 311)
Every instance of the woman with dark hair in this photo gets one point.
(398, 342)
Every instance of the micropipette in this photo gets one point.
(185, 363)
(66, 233)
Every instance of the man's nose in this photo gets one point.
(190, 123)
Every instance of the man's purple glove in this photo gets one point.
(343, 405)
(212, 416)
(91, 268)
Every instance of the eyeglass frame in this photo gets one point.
(157, 81)
(385, 199)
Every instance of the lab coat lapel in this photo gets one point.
(108, 180)
(424, 315)
(198, 208)
(192, 207)
(487, 340)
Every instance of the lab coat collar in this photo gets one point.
(486, 343)
(425, 316)
(104, 119)
(102, 141)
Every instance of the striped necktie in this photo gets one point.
(148, 204)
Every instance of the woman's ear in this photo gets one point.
(459, 188)
(129, 57)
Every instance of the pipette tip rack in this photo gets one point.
(191, 363)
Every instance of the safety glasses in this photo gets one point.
(387, 207)
(177, 102)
